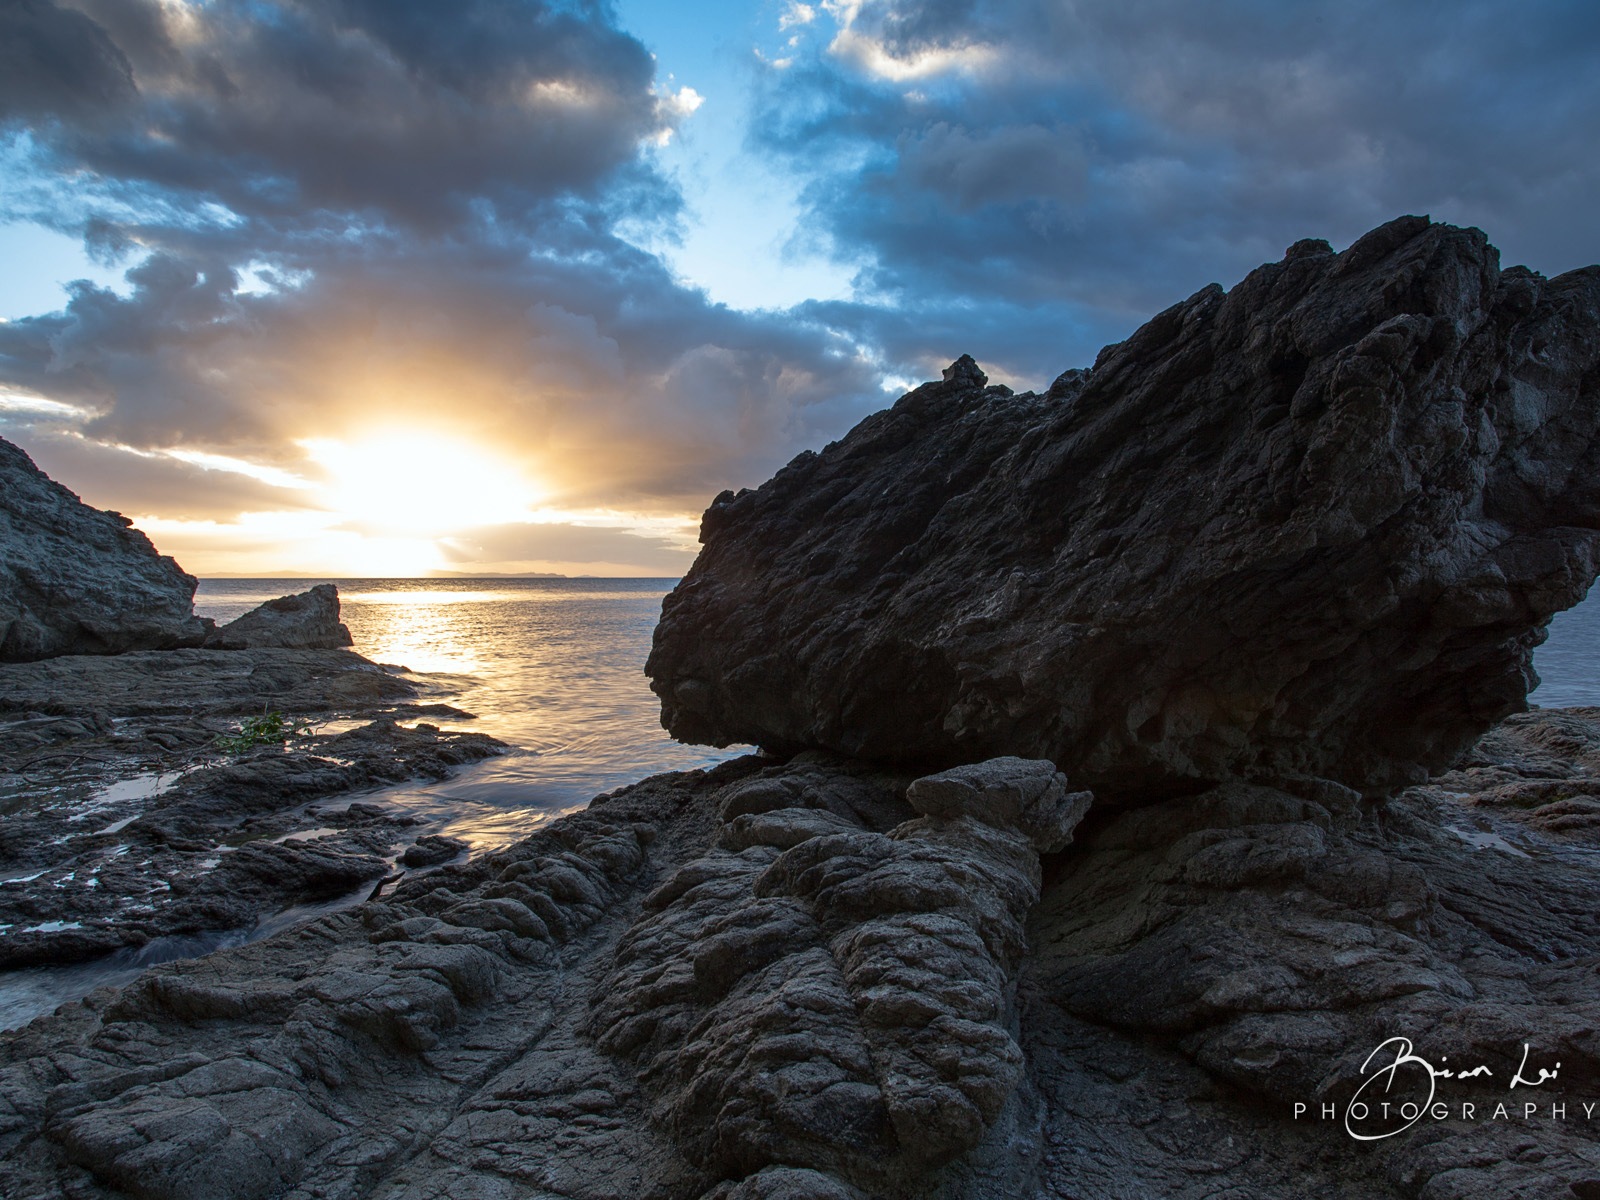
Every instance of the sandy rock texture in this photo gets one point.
(810, 978)
(76, 580)
(1309, 527)
(307, 620)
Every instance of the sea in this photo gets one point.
(554, 667)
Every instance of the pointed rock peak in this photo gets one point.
(965, 370)
(1308, 248)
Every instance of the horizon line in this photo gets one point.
(439, 578)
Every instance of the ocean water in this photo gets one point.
(1569, 661)
(555, 667)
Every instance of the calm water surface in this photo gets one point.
(1569, 662)
(553, 666)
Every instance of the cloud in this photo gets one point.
(349, 217)
(58, 63)
(391, 110)
(342, 219)
(578, 548)
(148, 482)
(1077, 167)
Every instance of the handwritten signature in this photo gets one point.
(1403, 1055)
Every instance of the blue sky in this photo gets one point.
(387, 286)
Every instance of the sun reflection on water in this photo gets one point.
(554, 667)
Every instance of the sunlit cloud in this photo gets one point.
(863, 40)
(876, 58)
(796, 14)
(299, 544)
(275, 476)
(22, 403)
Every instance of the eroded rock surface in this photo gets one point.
(136, 809)
(821, 993)
(809, 979)
(1276, 941)
(1311, 527)
(307, 620)
(76, 580)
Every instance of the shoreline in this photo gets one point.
(131, 792)
(533, 963)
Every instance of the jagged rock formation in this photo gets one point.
(806, 979)
(307, 620)
(823, 994)
(75, 580)
(1323, 520)
(1311, 527)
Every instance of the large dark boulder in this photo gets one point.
(76, 580)
(1313, 526)
(307, 620)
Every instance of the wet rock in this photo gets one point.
(624, 1004)
(76, 580)
(200, 683)
(227, 844)
(432, 850)
(125, 813)
(1312, 527)
(307, 620)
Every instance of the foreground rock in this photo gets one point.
(1312, 527)
(307, 620)
(162, 794)
(75, 580)
(808, 979)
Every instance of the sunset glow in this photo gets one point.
(511, 287)
(418, 484)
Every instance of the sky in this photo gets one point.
(399, 287)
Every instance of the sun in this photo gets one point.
(418, 484)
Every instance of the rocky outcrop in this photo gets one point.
(820, 993)
(806, 975)
(75, 580)
(307, 620)
(815, 979)
(1311, 527)
(169, 794)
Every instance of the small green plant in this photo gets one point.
(269, 729)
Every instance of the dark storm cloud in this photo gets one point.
(430, 195)
(55, 62)
(1080, 166)
(400, 111)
